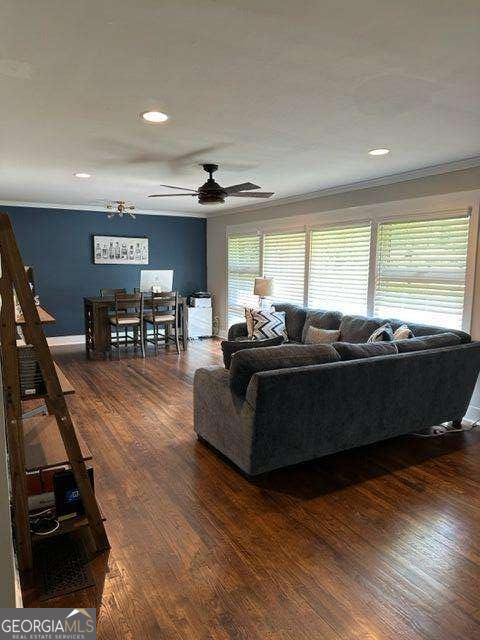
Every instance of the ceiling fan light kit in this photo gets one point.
(213, 193)
(119, 208)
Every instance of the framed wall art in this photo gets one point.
(120, 250)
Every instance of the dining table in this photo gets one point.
(97, 324)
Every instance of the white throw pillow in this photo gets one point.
(315, 335)
(403, 332)
(268, 324)
(249, 318)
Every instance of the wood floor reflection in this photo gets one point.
(380, 543)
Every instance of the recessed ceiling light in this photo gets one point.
(154, 116)
(82, 174)
(379, 152)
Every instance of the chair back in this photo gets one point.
(128, 303)
(164, 301)
(110, 293)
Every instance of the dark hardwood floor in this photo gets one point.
(378, 543)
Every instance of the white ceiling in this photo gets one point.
(289, 95)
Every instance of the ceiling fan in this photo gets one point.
(212, 193)
(120, 207)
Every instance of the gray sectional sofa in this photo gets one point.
(282, 405)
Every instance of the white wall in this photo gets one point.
(458, 188)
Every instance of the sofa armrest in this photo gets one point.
(238, 330)
(221, 417)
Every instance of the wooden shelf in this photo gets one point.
(65, 383)
(66, 526)
(44, 446)
(45, 317)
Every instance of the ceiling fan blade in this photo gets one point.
(169, 186)
(245, 186)
(171, 195)
(256, 194)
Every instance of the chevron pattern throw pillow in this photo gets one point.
(268, 324)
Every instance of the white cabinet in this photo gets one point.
(199, 322)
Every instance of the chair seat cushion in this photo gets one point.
(159, 317)
(125, 320)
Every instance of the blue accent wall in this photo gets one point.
(57, 243)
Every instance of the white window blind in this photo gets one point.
(421, 270)
(284, 261)
(243, 266)
(339, 268)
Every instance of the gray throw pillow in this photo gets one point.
(421, 343)
(350, 351)
(229, 347)
(382, 334)
(245, 364)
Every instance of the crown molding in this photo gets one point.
(99, 209)
(424, 172)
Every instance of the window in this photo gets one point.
(339, 268)
(284, 260)
(421, 270)
(414, 269)
(243, 266)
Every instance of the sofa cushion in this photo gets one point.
(429, 330)
(315, 335)
(246, 363)
(352, 351)
(419, 343)
(294, 319)
(229, 347)
(358, 328)
(321, 320)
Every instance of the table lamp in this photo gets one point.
(263, 289)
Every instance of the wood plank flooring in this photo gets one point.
(380, 543)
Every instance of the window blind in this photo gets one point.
(339, 268)
(243, 266)
(421, 270)
(284, 261)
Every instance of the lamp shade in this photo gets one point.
(263, 287)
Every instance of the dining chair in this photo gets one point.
(163, 313)
(128, 316)
(110, 293)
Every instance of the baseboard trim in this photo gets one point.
(58, 341)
